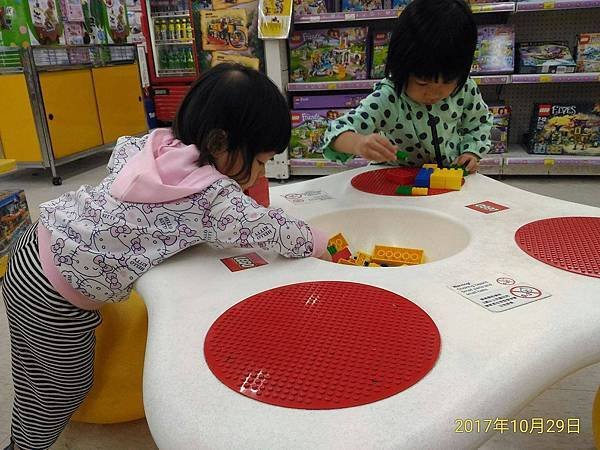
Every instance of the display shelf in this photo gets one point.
(382, 14)
(491, 164)
(176, 72)
(491, 79)
(364, 85)
(167, 15)
(322, 166)
(518, 162)
(175, 42)
(525, 6)
(536, 78)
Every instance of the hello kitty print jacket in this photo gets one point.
(155, 202)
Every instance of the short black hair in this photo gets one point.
(235, 108)
(432, 39)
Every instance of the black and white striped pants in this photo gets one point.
(52, 349)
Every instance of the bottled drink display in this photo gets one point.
(167, 29)
(176, 58)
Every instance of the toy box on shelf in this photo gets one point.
(545, 57)
(327, 101)
(499, 133)
(14, 220)
(333, 54)
(495, 52)
(381, 41)
(308, 7)
(565, 128)
(308, 127)
(588, 52)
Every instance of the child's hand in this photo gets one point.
(374, 147)
(469, 161)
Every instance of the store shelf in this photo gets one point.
(555, 78)
(176, 72)
(383, 14)
(491, 164)
(524, 6)
(365, 85)
(174, 42)
(518, 162)
(323, 166)
(491, 79)
(167, 15)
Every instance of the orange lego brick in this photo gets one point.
(363, 259)
(397, 256)
(339, 241)
(345, 262)
(420, 191)
(374, 265)
(429, 166)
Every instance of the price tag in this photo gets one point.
(476, 9)
(349, 16)
(486, 8)
(545, 78)
(548, 162)
(314, 18)
(331, 85)
(477, 80)
(320, 164)
(549, 5)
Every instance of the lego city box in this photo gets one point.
(588, 52)
(572, 129)
(334, 54)
(308, 128)
(14, 220)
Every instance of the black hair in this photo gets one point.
(432, 39)
(236, 109)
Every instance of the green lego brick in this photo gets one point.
(404, 190)
(465, 171)
(332, 250)
(401, 155)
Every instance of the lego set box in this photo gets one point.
(334, 54)
(14, 220)
(572, 129)
(545, 57)
(499, 133)
(588, 52)
(308, 127)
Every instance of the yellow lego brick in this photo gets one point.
(454, 179)
(438, 179)
(429, 166)
(346, 262)
(338, 241)
(397, 256)
(420, 191)
(6, 165)
(374, 265)
(362, 258)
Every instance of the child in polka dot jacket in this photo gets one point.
(427, 105)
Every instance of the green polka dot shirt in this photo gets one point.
(462, 124)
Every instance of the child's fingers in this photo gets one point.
(380, 153)
(386, 143)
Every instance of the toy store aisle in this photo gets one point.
(570, 398)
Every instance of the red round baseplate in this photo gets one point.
(377, 182)
(322, 345)
(569, 243)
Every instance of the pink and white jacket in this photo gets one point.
(155, 202)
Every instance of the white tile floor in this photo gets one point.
(570, 397)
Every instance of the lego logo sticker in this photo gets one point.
(487, 207)
(243, 262)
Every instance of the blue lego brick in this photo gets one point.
(422, 179)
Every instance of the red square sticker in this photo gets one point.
(243, 262)
(487, 207)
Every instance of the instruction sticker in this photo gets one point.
(307, 197)
(499, 293)
(487, 207)
(243, 262)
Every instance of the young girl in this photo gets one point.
(427, 105)
(164, 192)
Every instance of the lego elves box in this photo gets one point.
(334, 54)
(308, 127)
(14, 220)
(572, 129)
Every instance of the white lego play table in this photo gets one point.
(490, 364)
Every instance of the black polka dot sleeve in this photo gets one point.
(476, 122)
(365, 119)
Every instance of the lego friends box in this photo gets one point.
(334, 54)
(562, 128)
(308, 127)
